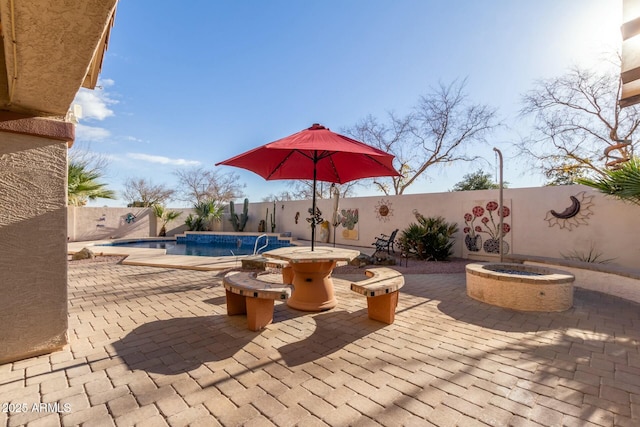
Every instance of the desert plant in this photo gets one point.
(206, 212)
(591, 256)
(165, 216)
(83, 185)
(239, 222)
(193, 222)
(429, 239)
(622, 183)
(273, 218)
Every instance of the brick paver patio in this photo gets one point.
(153, 346)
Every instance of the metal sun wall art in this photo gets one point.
(576, 214)
(383, 210)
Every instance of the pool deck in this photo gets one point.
(158, 257)
(154, 346)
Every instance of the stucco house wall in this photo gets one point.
(32, 245)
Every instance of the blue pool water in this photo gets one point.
(208, 245)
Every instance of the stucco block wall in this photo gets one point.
(33, 265)
(93, 223)
(604, 225)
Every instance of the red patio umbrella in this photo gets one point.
(315, 153)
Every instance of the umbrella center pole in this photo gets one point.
(313, 203)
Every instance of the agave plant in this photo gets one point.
(622, 183)
(165, 216)
(429, 239)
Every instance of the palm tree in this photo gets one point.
(165, 216)
(206, 212)
(83, 185)
(622, 183)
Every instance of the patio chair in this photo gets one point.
(385, 242)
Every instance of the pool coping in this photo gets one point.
(156, 257)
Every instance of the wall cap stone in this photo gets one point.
(37, 126)
(592, 266)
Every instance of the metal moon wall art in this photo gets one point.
(574, 215)
(570, 212)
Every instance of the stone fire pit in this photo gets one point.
(520, 287)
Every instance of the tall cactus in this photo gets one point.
(245, 215)
(234, 216)
(273, 218)
(266, 219)
(239, 222)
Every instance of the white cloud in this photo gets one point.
(106, 82)
(133, 139)
(162, 159)
(90, 133)
(95, 103)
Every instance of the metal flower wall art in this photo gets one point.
(574, 215)
(482, 228)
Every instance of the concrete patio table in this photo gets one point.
(312, 284)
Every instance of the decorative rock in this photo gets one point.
(383, 258)
(362, 260)
(85, 253)
(254, 263)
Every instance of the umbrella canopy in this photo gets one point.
(318, 154)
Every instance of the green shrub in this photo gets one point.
(206, 212)
(429, 239)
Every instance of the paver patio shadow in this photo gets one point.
(173, 346)
(333, 331)
(155, 346)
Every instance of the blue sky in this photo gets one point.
(196, 83)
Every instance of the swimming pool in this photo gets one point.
(209, 244)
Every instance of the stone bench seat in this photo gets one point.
(276, 263)
(254, 295)
(381, 289)
(285, 269)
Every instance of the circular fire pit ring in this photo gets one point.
(520, 287)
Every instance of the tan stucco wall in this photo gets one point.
(91, 223)
(33, 265)
(611, 226)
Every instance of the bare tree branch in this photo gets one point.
(142, 193)
(437, 131)
(303, 190)
(576, 117)
(200, 184)
(92, 160)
